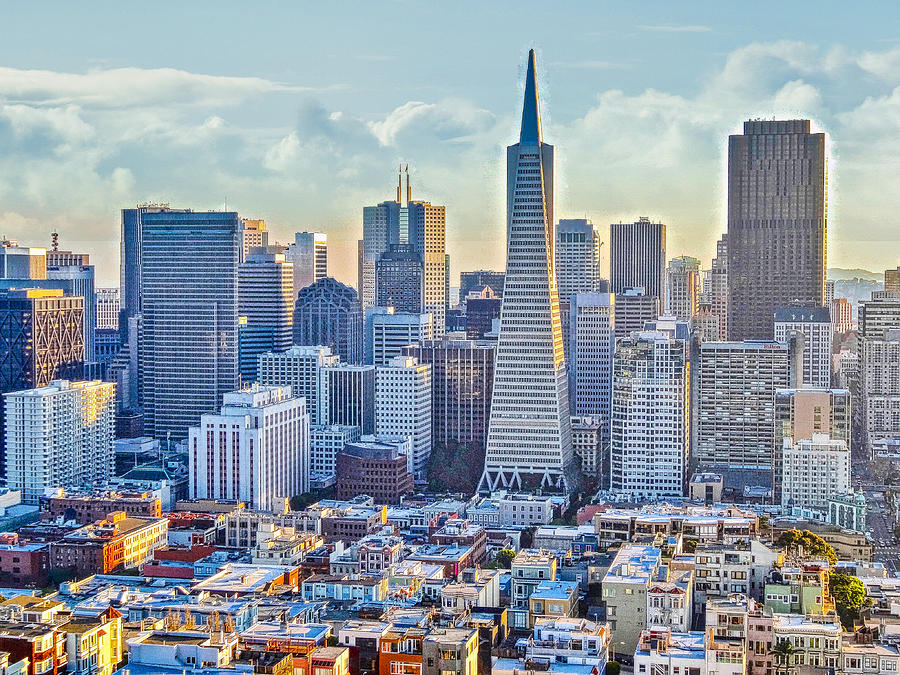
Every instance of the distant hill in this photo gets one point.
(839, 273)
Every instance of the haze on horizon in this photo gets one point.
(300, 114)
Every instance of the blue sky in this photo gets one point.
(299, 113)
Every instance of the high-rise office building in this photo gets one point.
(462, 376)
(22, 262)
(637, 256)
(633, 308)
(403, 407)
(325, 442)
(58, 258)
(265, 307)
(78, 280)
(814, 470)
(255, 450)
(841, 316)
(650, 429)
(530, 431)
(254, 234)
(878, 314)
(683, 287)
(388, 332)
(777, 222)
(480, 315)
(477, 280)
(400, 279)
(829, 292)
(892, 280)
(309, 257)
(328, 313)
(189, 303)
(418, 224)
(346, 396)
(297, 368)
(592, 343)
(735, 405)
(577, 258)
(108, 307)
(879, 385)
(41, 339)
(59, 436)
(814, 323)
(717, 293)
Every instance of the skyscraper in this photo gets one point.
(388, 332)
(530, 433)
(717, 294)
(637, 256)
(477, 280)
(309, 257)
(577, 258)
(346, 396)
(592, 342)
(400, 279)
(265, 307)
(878, 314)
(189, 298)
(650, 429)
(777, 223)
(403, 407)
(79, 280)
(255, 450)
(328, 313)
(814, 323)
(892, 280)
(59, 435)
(418, 224)
(108, 308)
(683, 287)
(462, 374)
(298, 368)
(254, 234)
(633, 308)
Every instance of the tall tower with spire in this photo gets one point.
(530, 434)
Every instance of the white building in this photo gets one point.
(530, 431)
(577, 257)
(814, 470)
(403, 407)
(650, 430)
(253, 233)
(591, 345)
(388, 332)
(309, 257)
(669, 601)
(325, 442)
(683, 287)
(346, 396)
(297, 368)
(814, 323)
(59, 436)
(108, 307)
(256, 450)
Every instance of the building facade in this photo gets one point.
(403, 407)
(308, 256)
(328, 314)
(814, 324)
(683, 287)
(577, 258)
(297, 368)
(388, 332)
(346, 396)
(777, 222)
(637, 257)
(590, 356)
(255, 450)
(529, 437)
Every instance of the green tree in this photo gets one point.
(783, 651)
(455, 467)
(811, 545)
(849, 597)
(689, 545)
(504, 558)
(613, 668)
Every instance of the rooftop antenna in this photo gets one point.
(54, 240)
(408, 189)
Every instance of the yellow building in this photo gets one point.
(94, 645)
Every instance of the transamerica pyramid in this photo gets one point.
(529, 441)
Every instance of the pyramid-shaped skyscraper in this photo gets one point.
(530, 434)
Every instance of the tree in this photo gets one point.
(849, 597)
(504, 558)
(455, 467)
(809, 543)
(783, 651)
(689, 545)
(613, 668)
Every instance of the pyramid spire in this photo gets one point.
(531, 110)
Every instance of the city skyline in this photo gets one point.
(306, 148)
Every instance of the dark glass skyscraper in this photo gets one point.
(777, 222)
(637, 257)
(328, 313)
(400, 279)
(189, 302)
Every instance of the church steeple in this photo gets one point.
(531, 110)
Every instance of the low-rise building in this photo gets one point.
(89, 507)
(450, 651)
(119, 542)
(94, 645)
(343, 587)
(462, 532)
(815, 640)
(475, 587)
(43, 644)
(799, 590)
(552, 599)
(669, 601)
(624, 592)
(529, 568)
(375, 466)
(659, 650)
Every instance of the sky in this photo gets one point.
(300, 112)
